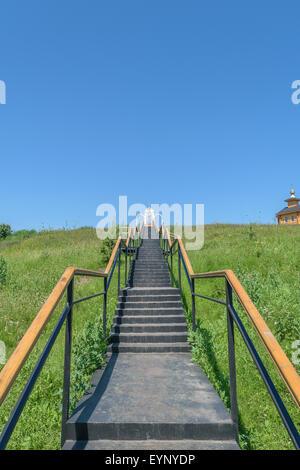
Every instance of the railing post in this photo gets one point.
(171, 254)
(193, 305)
(126, 254)
(119, 269)
(231, 358)
(179, 268)
(104, 307)
(67, 364)
(167, 253)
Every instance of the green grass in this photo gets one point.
(266, 260)
(18, 236)
(34, 267)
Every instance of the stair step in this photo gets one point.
(150, 264)
(151, 444)
(133, 319)
(150, 347)
(149, 311)
(150, 304)
(147, 268)
(147, 294)
(150, 279)
(165, 337)
(152, 298)
(150, 396)
(150, 275)
(149, 291)
(149, 327)
(151, 283)
(150, 269)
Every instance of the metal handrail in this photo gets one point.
(283, 364)
(12, 368)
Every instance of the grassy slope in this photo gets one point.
(265, 258)
(34, 267)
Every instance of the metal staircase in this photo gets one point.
(149, 315)
(150, 401)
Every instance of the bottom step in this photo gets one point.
(150, 347)
(150, 444)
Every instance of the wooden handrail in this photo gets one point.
(185, 257)
(128, 237)
(168, 237)
(19, 356)
(113, 255)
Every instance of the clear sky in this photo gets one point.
(160, 100)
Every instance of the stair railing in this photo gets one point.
(12, 368)
(232, 285)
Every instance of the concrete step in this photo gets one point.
(150, 298)
(150, 252)
(150, 311)
(165, 337)
(149, 327)
(149, 291)
(133, 319)
(151, 277)
(150, 347)
(151, 274)
(150, 304)
(150, 261)
(153, 267)
(146, 268)
(150, 255)
(150, 258)
(152, 444)
(160, 262)
(151, 284)
(140, 254)
(150, 249)
(161, 397)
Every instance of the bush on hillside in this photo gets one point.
(5, 230)
(106, 248)
(23, 234)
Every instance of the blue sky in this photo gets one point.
(162, 101)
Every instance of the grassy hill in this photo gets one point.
(265, 258)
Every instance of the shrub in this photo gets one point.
(3, 271)
(106, 248)
(88, 355)
(5, 230)
(23, 234)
